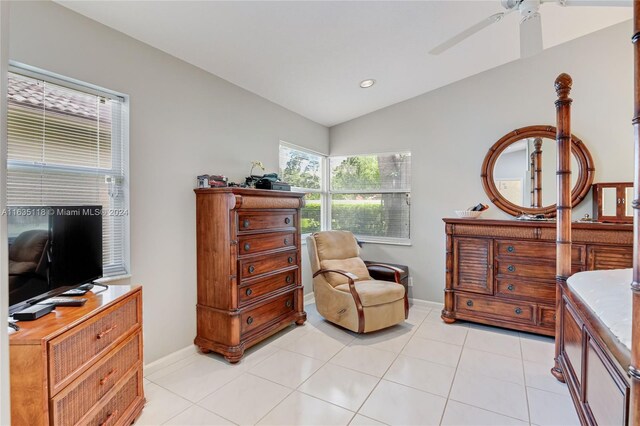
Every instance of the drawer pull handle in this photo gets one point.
(518, 311)
(251, 269)
(247, 246)
(554, 316)
(287, 220)
(288, 279)
(109, 417)
(287, 303)
(511, 268)
(106, 378)
(248, 292)
(510, 287)
(107, 331)
(245, 223)
(290, 259)
(511, 249)
(469, 303)
(249, 320)
(286, 241)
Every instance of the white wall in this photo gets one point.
(450, 130)
(184, 122)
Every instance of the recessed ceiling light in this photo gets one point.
(365, 84)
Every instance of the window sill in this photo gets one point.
(389, 242)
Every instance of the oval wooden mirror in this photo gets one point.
(519, 171)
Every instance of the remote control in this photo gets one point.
(64, 301)
(80, 291)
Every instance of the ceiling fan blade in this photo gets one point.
(531, 36)
(467, 33)
(606, 3)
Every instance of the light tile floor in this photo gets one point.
(423, 372)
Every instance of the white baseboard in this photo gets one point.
(425, 303)
(165, 361)
(309, 298)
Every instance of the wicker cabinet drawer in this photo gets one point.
(521, 289)
(253, 319)
(258, 221)
(72, 352)
(501, 309)
(255, 289)
(80, 396)
(249, 244)
(119, 405)
(541, 271)
(255, 266)
(536, 250)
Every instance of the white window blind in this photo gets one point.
(370, 196)
(66, 147)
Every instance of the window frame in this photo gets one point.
(370, 238)
(324, 183)
(71, 83)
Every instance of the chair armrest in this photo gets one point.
(396, 271)
(352, 289)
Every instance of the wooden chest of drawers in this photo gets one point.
(80, 365)
(503, 272)
(249, 282)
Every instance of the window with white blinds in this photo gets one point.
(66, 146)
(370, 196)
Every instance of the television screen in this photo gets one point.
(52, 249)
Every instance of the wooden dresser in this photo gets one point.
(249, 282)
(503, 272)
(80, 365)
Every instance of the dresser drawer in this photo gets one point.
(536, 250)
(541, 271)
(253, 319)
(255, 289)
(250, 244)
(119, 404)
(80, 396)
(255, 266)
(73, 351)
(547, 316)
(266, 220)
(501, 309)
(530, 290)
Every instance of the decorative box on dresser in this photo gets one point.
(503, 272)
(249, 280)
(80, 365)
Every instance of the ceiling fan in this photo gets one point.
(530, 22)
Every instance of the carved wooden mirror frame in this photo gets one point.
(582, 187)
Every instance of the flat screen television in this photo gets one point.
(52, 249)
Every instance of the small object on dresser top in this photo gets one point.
(218, 181)
(64, 301)
(537, 217)
(586, 218)
(472, 212)
(202, 181)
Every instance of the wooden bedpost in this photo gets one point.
(537, 172)
(634, 368)
(563, 224)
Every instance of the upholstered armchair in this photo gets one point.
(345, 294)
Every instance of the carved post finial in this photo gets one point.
(563, 86)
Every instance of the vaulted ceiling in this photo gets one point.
(310, 57)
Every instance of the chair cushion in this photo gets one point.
(374, 293)
(354, 265)
(336, 245)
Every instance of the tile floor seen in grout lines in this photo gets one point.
(422, 372)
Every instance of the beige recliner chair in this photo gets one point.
(345, 293)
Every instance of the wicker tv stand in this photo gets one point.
(80, 365)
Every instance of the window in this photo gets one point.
(66, 146)
(303, 170)
(370, 196)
